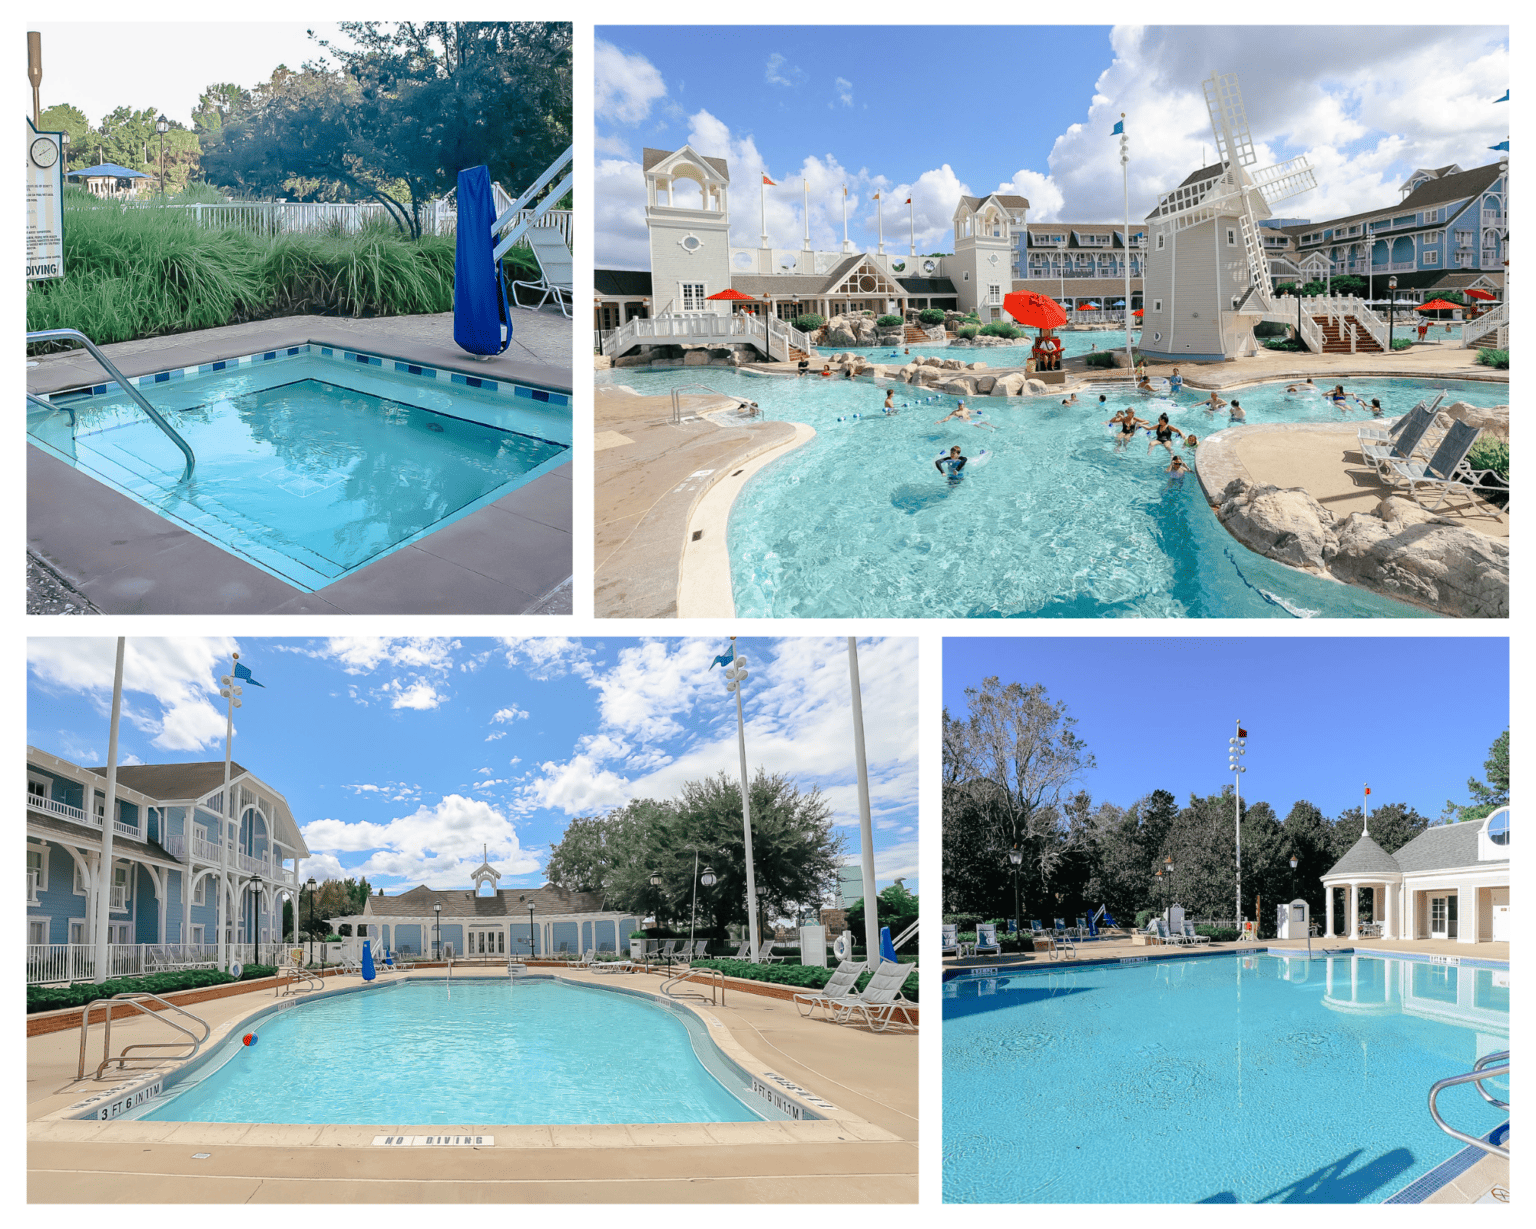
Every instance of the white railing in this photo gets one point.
(253, 866)
(51, 806)
(50, 963)
(33, 884)
(1488, 322)
(1339, 307)
(119, 896)
(1396, 266)
(704, 329)
(1492, 217)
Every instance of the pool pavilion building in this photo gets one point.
(1449, 882)
(491, 921)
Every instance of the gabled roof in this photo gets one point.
(1432, 172)
(507, 904)
(1006, 201)
(1444, 846)
(1463, 185)
(1194, 177)
(651, 157)
(1365, 857)
(173, 780)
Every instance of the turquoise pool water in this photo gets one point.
(307, 466)
(1060, 523)
(1073, 343)
(1223, 1079)
(483, 1053)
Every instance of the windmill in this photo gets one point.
(1232, 191)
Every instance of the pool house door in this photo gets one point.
(482, 942)
(1442, 917)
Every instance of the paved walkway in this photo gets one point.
(649, 475)
(870, 1157)
(1429, 362)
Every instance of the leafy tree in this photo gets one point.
(62, 117)
(1487, 796)
(898, 910)
(1350, 284)
(1393, 825)
(218, 105)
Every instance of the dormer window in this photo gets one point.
(1498, 828)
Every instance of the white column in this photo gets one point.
(1328, 907)
(186, 894)
(1354, 909)
(1388, 911)
(1466, 916)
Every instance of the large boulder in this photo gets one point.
(633, 360)
(1283, 523)
(696, 358)
(1011, 385)
(1494, 420)
(1413, 555)
(976, 366)
(959, 386)
(839, 334)
(1036, 388)
(985, 384)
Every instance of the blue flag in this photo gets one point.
(725, 658)
(1504, 145)
(1504, 99)
(243, 674)
(1118, 128)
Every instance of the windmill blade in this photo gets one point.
(1284, 180)
(1192, 196)
(1229, 120)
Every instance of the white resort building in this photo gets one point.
(1449, 882)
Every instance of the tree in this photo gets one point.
(1393, 825)
(1487, 796)
(898, 910)
(61, 117)
(217, 106)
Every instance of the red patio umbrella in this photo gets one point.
(1036, 311)
(1090, 307)
(1137, 312)
(1438, 305)
(1480, 294)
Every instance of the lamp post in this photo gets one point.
(708, 880)
(1168, 867)
(311, 885)
(1235, 752)
(530, 930)
(1016, 859)
(437, 929)
(1164, 887)
(735, 678)
(1392, 310)
(161, 126)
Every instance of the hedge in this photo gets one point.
(78, 994)
(799, 975)
(1401, 343)
(1218, 934)
(1099, 358)
(889, 322)
(968, 331)
(931, 315)
(1494, 358)
(809, 322)
(1000, 328)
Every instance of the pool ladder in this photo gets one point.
(122, 382)
(135, 999)
(1488, 1067)
(710, 977)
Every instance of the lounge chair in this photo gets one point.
(879, 1002)
(556, 273)
(1402, 448)
(615, 966)
(1191, 937)
(744, 952)
(949, 941)
(1082, 928)
(663, 955)
(700, 949)
(588, 959)
(1168, 935)
(765, 953)
(1062, 935)
(986, 940)
(839, 986)
(1445, 472)
(1375, 433)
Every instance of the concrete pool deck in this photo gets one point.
(510, 557)
(868, 1153)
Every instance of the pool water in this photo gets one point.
(1073, 343)
(478, 1054)
(1060, 523)
(306, 467)
(1222, 1079)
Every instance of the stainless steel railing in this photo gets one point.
(135, 1000)
(1482, 1070)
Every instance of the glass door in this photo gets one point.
(1438, 917)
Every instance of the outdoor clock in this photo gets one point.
(44, 152)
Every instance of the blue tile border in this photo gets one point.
(1443, 1174)
(508, 388)
(1030, 970)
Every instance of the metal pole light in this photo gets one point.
(1235, 752)
(1168, 866)
(311, 885)
(735, 678)
(437, 928)
(1016, 859)
(161, 126)
(1164, 887)
(1392, 310)
(530, 929)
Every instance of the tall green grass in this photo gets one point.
(145, 272)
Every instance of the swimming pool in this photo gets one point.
(312, 461)
(857, 523)
(1219, 1079)
(481, 1052)
(1073, 343)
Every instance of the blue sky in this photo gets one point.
(883, 108)
(399, 758)
(1324, 715)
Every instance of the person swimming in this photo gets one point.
(1214, 402)
(963, 412)
(1175, 382)
(1176, 471)
(1375, 407)
(1072, 400)
(1191, 440)
(890, 402)
(826, 369)
(951, 465)
(1163, 434)
(1236, 413)
(1129, 424)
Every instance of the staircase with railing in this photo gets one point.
(1489, 322)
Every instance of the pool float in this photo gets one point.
(981, 458)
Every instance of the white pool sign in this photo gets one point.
(45, 204)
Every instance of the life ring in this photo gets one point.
(842, 948)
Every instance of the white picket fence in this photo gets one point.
(62, 963)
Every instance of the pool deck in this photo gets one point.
(866, 1152)
(510, 557)
(650, 478)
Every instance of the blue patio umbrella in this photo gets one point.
(369, 973)
(106, 170)
(1119, 302)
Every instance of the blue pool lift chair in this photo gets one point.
(986, 940)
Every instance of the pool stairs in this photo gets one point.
(1347, 336)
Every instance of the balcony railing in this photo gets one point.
(1492, 217)
(33, 884)
(52, 806)
(119, 896)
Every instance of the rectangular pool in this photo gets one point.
(312, 461)
(1220, 1079)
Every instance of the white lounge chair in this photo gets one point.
(1413, 435)
(880, 1000)
(588, 959)
(744, 951)
(1168, 935)
(1376, 433)
(556, 272)
(949, 941)
(1193, 939)
(986, 940)
(839, 986)
(765, 953)
(1447, 472)
(615, 966)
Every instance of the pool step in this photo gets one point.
(1336, 340)
(914, 336)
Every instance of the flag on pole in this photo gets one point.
(845, 189)
(1367, 791)
(725, 658)
(1504, 99)
(875, 197)
(1242, 733)
(243, 674)
(1504, 145)
(1118, 129)
(908, 201)
(769, 182)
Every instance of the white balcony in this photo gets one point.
(119, 896)
(1492, 217)
(52, 806)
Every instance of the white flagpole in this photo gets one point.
(1365, 812)
(806, 206)
(736, 675)
(104, 867)
(762, 193)
(880, 221)
(866, 827)
(845, 217)
(223, 916)
(1125, 183)
(911, 230)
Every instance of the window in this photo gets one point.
(1431, 215)
(966, 276)
(1157, 305)
(39, 789)
(1231, 236)
(995, 294)
(37, 930)
(1498, 828)
(197, 935)
(37, 872)
(119, 887)
(1431, 257)
(76, 930)
(200, 892)
(1160, 243)
(693, 296)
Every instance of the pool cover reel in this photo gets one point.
(480, 319)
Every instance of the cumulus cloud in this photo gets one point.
(419, 694)
(388, 791)
(366, 654)
(505, 716)
(627, 85)
(170, 686)
(546, 657)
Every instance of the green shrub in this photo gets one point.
(1099, 358)
(1143, 916)
(806, 976)
(1218, 934)
(332, 939)
(1271, 328)
(1290, 345)
(1489, 453)
(78, 994)
(968, 331)
(931, 315)
(1001, 328)
(888, 322)
(255, 972)
(1494, 358)
(809, 322)
(1401, 343)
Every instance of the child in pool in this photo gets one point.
(1191, 440)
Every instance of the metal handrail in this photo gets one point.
(122, 382)
(712, 978)
(134, 999)
(1480, 1072)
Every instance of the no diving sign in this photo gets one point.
(45, 204)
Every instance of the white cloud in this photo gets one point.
(388, 791)
(779, 71)
(505, 716)
(844, 91)
(494, 735)
(420, 694)
(321, 867)
(548, 657)
(365, 654)
(627, 85)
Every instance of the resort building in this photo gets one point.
(1449, 882)
(185, 870)
(487, 920)
(1086, 261)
